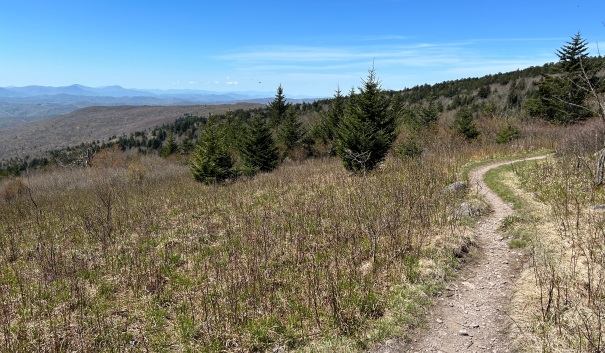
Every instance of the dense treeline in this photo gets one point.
(472, 86)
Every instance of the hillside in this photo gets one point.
(95, 123)
(500, 96)
(491, 94)
(20, 105)
(133, 254)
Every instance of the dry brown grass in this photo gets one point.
(560, 306)
(132, 254)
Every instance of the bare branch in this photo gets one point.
(360, 158)
(594, 92)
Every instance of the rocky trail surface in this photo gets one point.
(471, 314)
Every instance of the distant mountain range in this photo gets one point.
(121, 92)
(20, 105)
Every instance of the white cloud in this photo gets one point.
(399, 62)
(290, 54)
(448, 55)
(316, 57)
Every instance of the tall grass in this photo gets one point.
(132, 254)
(141, 257)
(569, 266)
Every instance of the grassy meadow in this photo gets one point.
(568, 260)
(133, 255)
(559, 304)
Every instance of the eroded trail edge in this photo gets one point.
(471, 315)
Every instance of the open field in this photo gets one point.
(139, 256)
(132, 254)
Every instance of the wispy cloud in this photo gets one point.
(289, 57)
(343, 58)
(534, 39)
(287, 53)
(399, 61)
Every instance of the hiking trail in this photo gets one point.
(471, 314)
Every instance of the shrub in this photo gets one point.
(464, 124)
(507, 134)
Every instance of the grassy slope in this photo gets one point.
(135, 255)
(561, 232)
(132, 254)
(568, 300)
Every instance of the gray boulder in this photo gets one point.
(456, 187)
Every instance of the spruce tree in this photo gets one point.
(334, 114)
(290, 132)
(326, 127)
(426, 115)
(464, 124)
(561, 98)
(573, 55)
(171, 146)
(367, 130)
(258, 148)
(278, 108)
(211, 162)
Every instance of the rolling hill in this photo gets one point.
(95, 123)
(19, 105)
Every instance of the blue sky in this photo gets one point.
(309, 47)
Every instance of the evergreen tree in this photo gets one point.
(258, 148)
(334, 114)
(186, 146)
(464, 124)
(515, 94)
(325, 130)
(507, 134)
(484, 92)
(211, 162)
(573, 55)
(290, 132)
(427, 114)
(171, 146)
(367, 129)
(561, 98)
(278, 108)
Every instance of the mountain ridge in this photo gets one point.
(119, 91)
(34, 102)
(36, 138)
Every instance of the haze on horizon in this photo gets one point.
(309, 47)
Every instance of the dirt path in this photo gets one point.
(471, 315)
